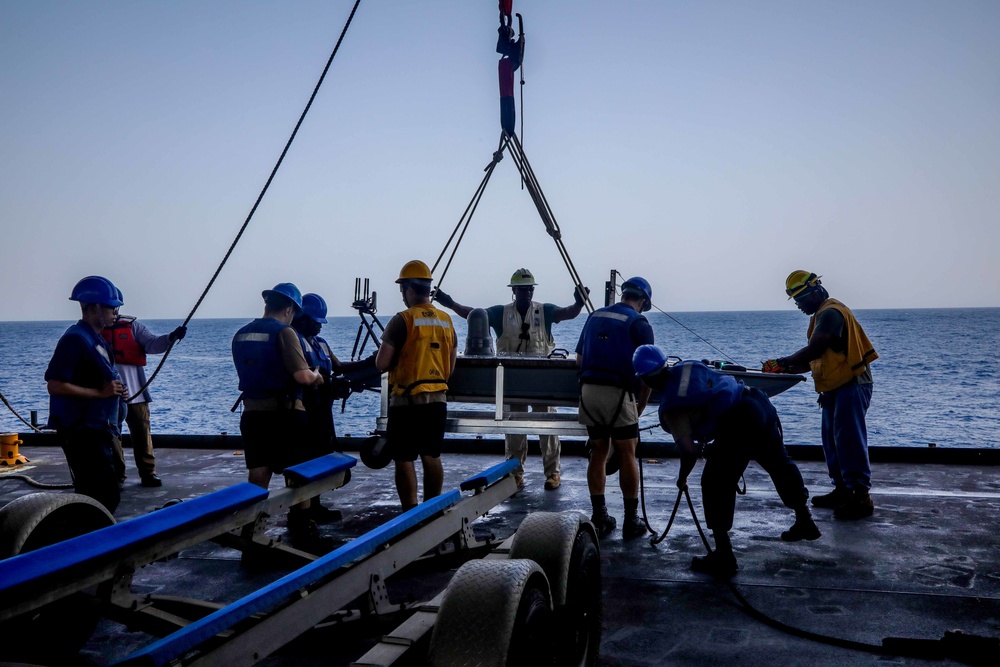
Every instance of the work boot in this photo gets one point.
(830, 500)
(633, 527)
(304, 534)
(519, 479)
(604, 523)
(802, 529)
(716, 563)
(858, 505)
(321, 514)
(151, 481)
(552, 482)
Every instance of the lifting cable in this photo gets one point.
(548, 218)
(253, 210)
(470, 210)
(510, 141)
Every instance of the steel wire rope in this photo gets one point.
(470, 210)
(548, 217)
(253, 210)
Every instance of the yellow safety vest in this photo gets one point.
(835, 369)
(538, 343)
(425, 361)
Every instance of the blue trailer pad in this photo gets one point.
(171, 647)
(318, 468)
(490, 475)
(59, 562)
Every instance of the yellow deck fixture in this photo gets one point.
(9, 456)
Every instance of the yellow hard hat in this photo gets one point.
(414, 270)
(799, 281)
(522, 278)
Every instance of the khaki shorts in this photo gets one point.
(599, 406)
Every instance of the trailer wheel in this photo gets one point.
(38, 520)
(495, 613)
(566, 548)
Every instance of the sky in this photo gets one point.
(711, 147)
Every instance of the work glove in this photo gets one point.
(579, 297)
(682, 483)
(443, 299)
(178, 333)
(773, 366)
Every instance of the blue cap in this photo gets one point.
(287, 290)
(97, 289)
(648, 359)
(314, 307)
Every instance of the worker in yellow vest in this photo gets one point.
(838, 354)
(418, 349)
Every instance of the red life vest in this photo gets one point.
(122, 340)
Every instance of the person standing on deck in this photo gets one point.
(86, 405)
(611, 399)
(318, 400)
(524, 327)
(131, 341)
(838, 354)
(418, 349)
(711, 413)
(273, 372)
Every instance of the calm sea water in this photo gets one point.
(937, 379)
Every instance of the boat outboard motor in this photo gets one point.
(479, 340)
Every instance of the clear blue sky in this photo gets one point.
(711, 147)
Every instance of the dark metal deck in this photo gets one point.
(928, 562)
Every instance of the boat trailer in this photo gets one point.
(543, 577)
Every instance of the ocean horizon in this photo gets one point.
(937, 381)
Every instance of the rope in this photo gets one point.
(14, 412)
(36, 483)
(253, 210)
(683, 326)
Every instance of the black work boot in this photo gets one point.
(720, 564)
(802, 529)
(857, 506)
(633, 527)
(830, 500)
(322, 514)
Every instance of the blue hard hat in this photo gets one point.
(639, 287)
(648, 359)
(96, 289)
(314, 307)
(287, 290)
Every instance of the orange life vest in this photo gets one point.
(835, 369)
(122, 340)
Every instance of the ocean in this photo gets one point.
(937, 380)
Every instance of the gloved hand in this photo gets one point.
(682, 483)
(578, 297)
(178, 333)
(443, 299)
(773, 366)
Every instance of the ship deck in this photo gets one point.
(926, 563)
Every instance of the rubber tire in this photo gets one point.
(495, 613)
(40, 519)
(566, 548)
(32, 522)
(375, 453)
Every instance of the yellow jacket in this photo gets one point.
(425, 360)
(835, 369)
